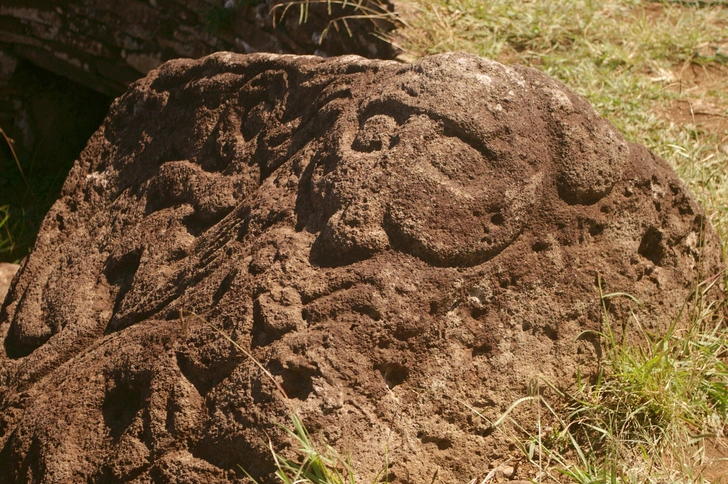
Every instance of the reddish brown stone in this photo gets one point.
(389, 241)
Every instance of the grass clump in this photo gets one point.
(6, 239)
(650, 412)
(341, 13)
(316, 463)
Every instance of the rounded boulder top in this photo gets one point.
(387, 240)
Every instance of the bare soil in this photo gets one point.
(699, 104)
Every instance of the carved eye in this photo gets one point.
(376, 134)
(450, 205)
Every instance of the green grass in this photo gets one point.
(647, 415)
(317, 463)
(6, 239)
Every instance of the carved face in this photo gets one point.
(455, 193)
(343, 220)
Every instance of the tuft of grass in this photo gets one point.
(316, 463)
(6, 238)
(373, 11)
(647, 415)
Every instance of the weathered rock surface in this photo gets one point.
(62, 61)
(387, 240)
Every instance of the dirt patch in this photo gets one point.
(651, 11)
(716, 456)
(390, 241)
(699, 86)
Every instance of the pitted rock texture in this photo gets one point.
(387, 240)
(63, 61)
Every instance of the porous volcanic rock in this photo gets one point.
(63, 61)
(390, 241)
